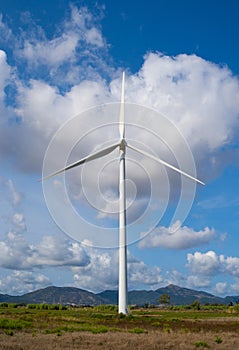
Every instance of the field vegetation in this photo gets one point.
(46, 326)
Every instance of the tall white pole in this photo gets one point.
(123, 288)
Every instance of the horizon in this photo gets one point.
(116, 290)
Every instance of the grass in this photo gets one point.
(201, 344)
(8, 323)
(137, 330)
(145, 328)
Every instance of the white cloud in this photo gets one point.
(19, 221)
(189, 90)
(20, 282)
(230, 265)
(221, 288)
(210, 264)
(14, 252)
(53, 52)
(78, 31)
(42, 108)
(94, 37)
(102, 272)
(200, 281)
(15, 194)
(204, 267)
(56, 252)
(172, 238)
(203, 263)
(235, 286)
(142, 275)
(175, 277)
(17, 254)
(193, 93)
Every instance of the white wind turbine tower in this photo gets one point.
(122, 145)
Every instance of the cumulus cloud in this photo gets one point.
(20, 282)
(221, 288)
(102, 272)
(203, 263)
(56, 252)
(203, 267)
(17, 254)
(230, 265)
(200, 281)
(187, 89)
(176, 237)
(235, 286)
(142, 275)
(210, 263)
(193, 93)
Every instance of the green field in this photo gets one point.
(25, 326)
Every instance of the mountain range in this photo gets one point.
(71, 295)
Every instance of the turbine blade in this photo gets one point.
(90, 157)
(165, 163)
(121, 118)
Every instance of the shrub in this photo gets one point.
(4, 305)
(195, 305)
(164, 299)
(218, 340)
(138, 330)
(100, 329)
(8, 323)
(113, 308)
(167, 328)
(9, 332)
(202, 344)
(236, 307)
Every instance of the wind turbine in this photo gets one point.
(122, 145)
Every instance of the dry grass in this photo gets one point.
(118, 340)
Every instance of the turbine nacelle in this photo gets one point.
(123, 144)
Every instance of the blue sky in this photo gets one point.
(60, 58)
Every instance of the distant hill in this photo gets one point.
(71, 295)
(178, 296)
(181, 296)
(56, 295)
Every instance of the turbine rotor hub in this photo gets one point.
(122, 145)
